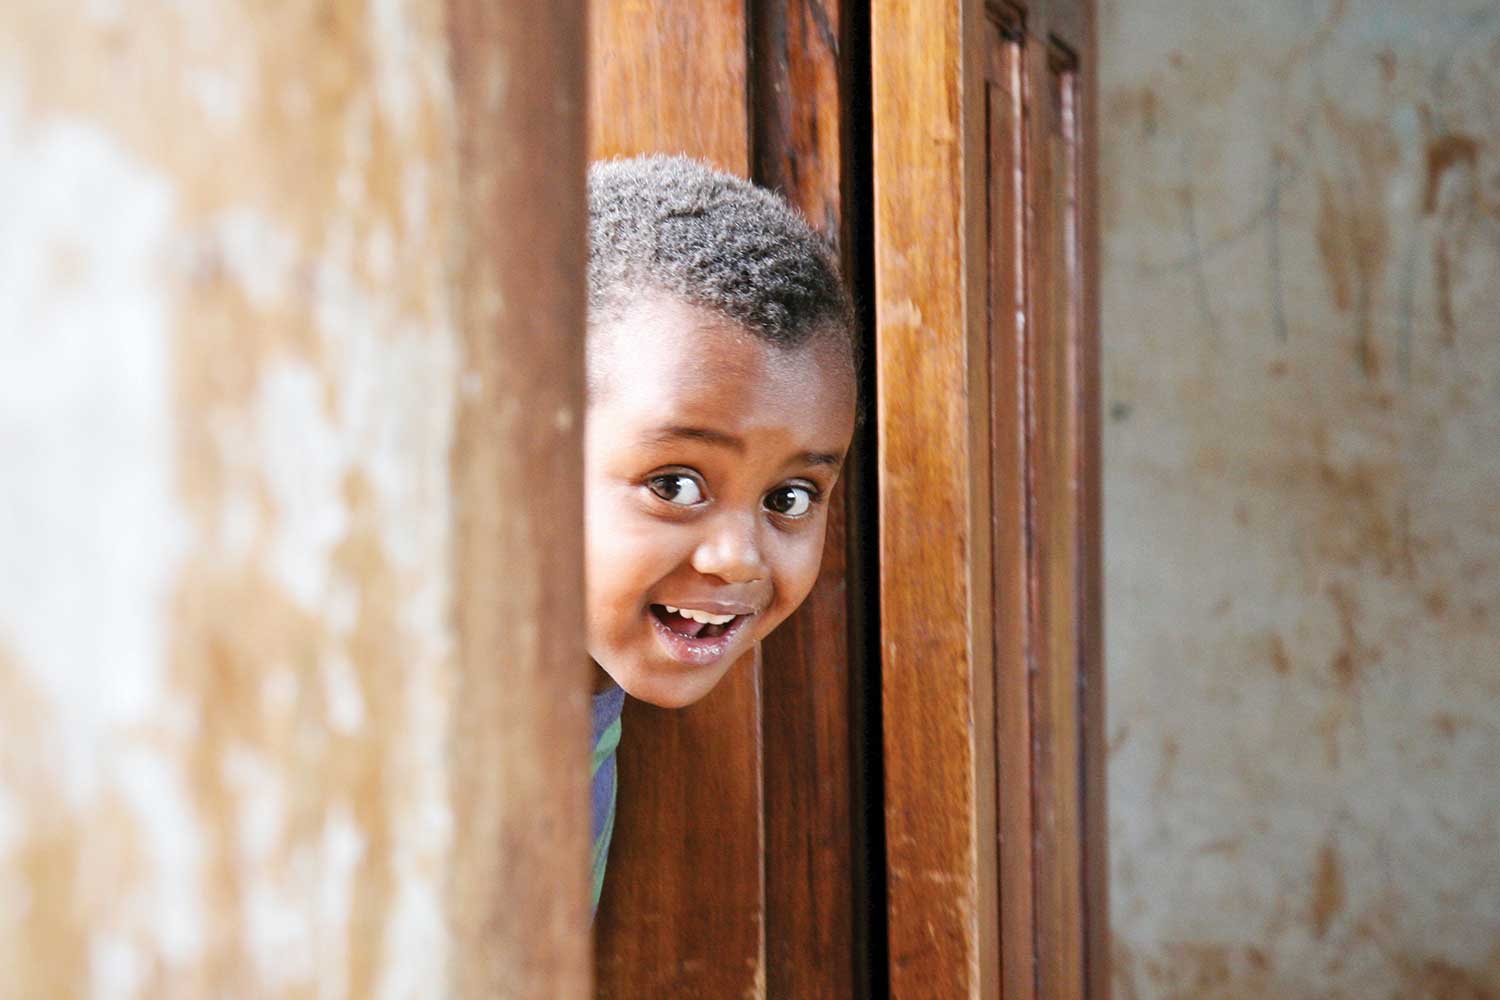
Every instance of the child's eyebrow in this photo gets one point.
(666, 435)
(720, 439)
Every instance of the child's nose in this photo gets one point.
(731, 550)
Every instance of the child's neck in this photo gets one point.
(602, 681)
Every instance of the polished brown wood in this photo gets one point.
(798, 128)
(1082, 33)
(683, 909)
(669, 78)
(1063, 476)
(800, 107)
(935, 531)
(519, 905)
(1014, 644)
(988, 491)
(1053, 471)
(990, 97)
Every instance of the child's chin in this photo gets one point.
(673, 687)
(659, 697)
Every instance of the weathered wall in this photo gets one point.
(227, 360)
(1301, 208)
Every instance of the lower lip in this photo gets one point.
(696, 652)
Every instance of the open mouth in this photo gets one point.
(691, 624)
(692, 636)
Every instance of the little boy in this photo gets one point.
(721, 404)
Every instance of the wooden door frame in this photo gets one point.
(989, 429)
(820, 756)
(518, 899)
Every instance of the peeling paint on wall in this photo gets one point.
(1301, 215)
(226, 411)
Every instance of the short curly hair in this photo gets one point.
(674, 225)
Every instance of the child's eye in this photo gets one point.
(676, 488)
(790, 501)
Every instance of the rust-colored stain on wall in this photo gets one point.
(225, 416)
(1352, 232)
(1301, 290)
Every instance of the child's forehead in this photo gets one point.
(683, 350)
(669, 362)
(661, 319)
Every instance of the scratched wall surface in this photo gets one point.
(1301, 216)
(225, 418)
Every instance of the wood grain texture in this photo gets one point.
(1083, 36)
(809, 876)
(1053, 389)
(1006, 78)
(798, 127)
(1014, 643)
(683, 910)
(935, 475)
(1062, 391)
(800, 107)
(519, 900)
(669, 78)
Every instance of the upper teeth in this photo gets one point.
(702, 617)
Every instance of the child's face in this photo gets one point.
(709, 457)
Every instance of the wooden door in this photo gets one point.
(519, 891)
(743, 844)
(739, 856)
(822, 863)
(988, 332)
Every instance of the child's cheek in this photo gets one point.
(611, 567)
(801, 564)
